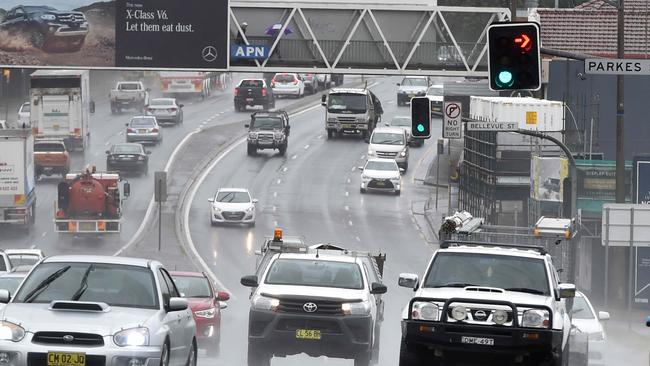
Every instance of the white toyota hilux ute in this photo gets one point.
(502, 303)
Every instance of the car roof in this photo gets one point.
(186, 274)
(232, 190)
(494, 250)
(167, 99)
(381, 160)
(348, 91)
(24, 251)
(15, 274)
(48, 141)
(416, 77)
(320, 256)
(104, 259)
(387, 129)
(127, 143)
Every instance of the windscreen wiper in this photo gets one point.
(526, 290)
(46, 282)
(455, 285)
(84, 283)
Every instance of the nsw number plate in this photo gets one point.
(308, 334)
(477, 340)
(66, 359)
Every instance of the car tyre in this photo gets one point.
(398, 192)
(411, 356)
(283, 150)
(37, 39)
(191, 357)
(251, 150)
(362, 190)
(164, 355)
(330, 134)
(257, 357)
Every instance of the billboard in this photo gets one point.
(143, 34)
(548, 174)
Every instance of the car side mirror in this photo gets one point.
(91, 106)
(4, 296)
(402, 171)
(223, 296)
(108, 152)
(377, 288)
(148, 152)
(223, 305)
(647, 322)
(567, 290)
(323, 99)
(255, 200)
(249, 281)
(360, 168)
(177, 304)
(127, 189)
(398, 84)
(148, 90)
(181, 105)
(126, 124)
(247, 125)
(210, 199)
(408, 280)
(603, 315)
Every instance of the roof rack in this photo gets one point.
(455, 243)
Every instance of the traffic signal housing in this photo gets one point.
(420, 117)
(514, 56)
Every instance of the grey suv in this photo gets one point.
(268, 130)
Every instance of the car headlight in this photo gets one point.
(252, 135)
(535, 318)
(459, 313)
(371, 152)
(395, 179)
(216, 208)
(132, 337)
(331, 120)
(11, 332)
(250, 209)
(48, 17)
(277, 136)
(361, 119)
(356, 308)
(265, 303)
(425, 311)
(365, 177)
(207, 313)
(403, 153)
(141, 158)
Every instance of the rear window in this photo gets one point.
(26, 108)
(129, 86)
(142, 122)
(53, 147)
(251, 84)
(169, 102)
(284, 78)
(127, 149)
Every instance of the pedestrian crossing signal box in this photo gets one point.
(420, 118)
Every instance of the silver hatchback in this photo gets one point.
(144, 129)
(97, 311)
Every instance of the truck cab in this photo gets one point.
(351, 111)
(129, 95)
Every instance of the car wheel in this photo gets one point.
(191, 357)
(257, 357)
(252, 150)
(363, 358)
(409, 355)
(362, 190)
(37, 39)
(398, 192)
(330, 134)
(251, 224)
(164, 355)
(283, 150)
(215, 350)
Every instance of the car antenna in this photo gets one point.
(317, 249)
(365, 86)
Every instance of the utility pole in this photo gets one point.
(513, 10)
(620, 110)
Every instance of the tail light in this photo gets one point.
(150, 110)
(236, 91)
(155, 129)
(77, 131)
(171, 110)
(60, 214)
(295, 81)
(263, 92)
(273, 84)
(130, 130)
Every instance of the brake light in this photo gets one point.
(130, 130)
(60, 214)
(295, 81)
(155, 129)
(35, 130)
(273, 84)
(263, 92)
(77, 131)
(171, 110)
(236, 91)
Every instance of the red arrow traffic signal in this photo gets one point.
(524, 42)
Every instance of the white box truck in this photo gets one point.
(61, 107)
(17, 183)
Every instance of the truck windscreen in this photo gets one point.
(350, 103)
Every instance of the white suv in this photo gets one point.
(390, 143)
(288, 84)
(494, 301)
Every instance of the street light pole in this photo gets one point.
(620, 111)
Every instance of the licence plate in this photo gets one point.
(308, 334)
(66, 359)
(56, 127)
(347, 126)
(86, 226)
(249, 99)
(142, 131)
(477, 340)
(381, 184)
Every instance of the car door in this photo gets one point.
(173, 321)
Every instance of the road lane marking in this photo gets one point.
(285, 169)
(350, 223)
(275, 194)
(349, 180)
(358, 239)
(44, 234)
(294, 157)
(279, 181)
(306, 147)
(347, 194)
(347, 208)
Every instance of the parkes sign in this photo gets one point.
(117, 34)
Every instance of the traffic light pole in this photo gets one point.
(620, 111)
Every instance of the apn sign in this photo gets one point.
(251, 52)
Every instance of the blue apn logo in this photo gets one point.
(251, 52)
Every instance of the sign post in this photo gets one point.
(452, 124)
(641, 195)
(160, 195)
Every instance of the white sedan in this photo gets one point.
(586, 320)
(381, 175)
(232, 205)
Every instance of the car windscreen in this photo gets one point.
(581, 309)
(10, 283)
(414, 82)
(233, 197)
(43, 147)
(510, 273)
(387, 138)
(191, 286)
(382, 165)
(162, 102)
(142, 122)
(113, 284)
(129, 86)
(251, 84)
(318, 273)
(266, 123)
(342, 102)
(401, 121)
(23, 259)
(126, 149)
(438, 92)
(284, 78)
(26, 108)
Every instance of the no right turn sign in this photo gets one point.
(452, 122)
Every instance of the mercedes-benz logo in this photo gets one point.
(480, 315)
(68, 338)
(310, 307)
(209, 53)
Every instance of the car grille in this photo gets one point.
(380, 184)
(233, 216)
(481, 314)
(79, 339)
(324, 307)
(386, 154)
(347, 119)
(325, 326)
(40, 359)
(71, 18)
(265, 137)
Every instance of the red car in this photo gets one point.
(206, 304)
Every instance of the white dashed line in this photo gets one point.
(319, 136)
(358, 238)
(294, 157)
(363, 157)
(306, 146)
(275, 223)
(275, 194)
(349, 180)
(279, 181)
(274, 208)
(107, 143)
(353, 169)
(350, 223)
(285, 169)
(44, 233)
(347, 208)
(347, 194)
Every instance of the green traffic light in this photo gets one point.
(505, 78)
(420, 127)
